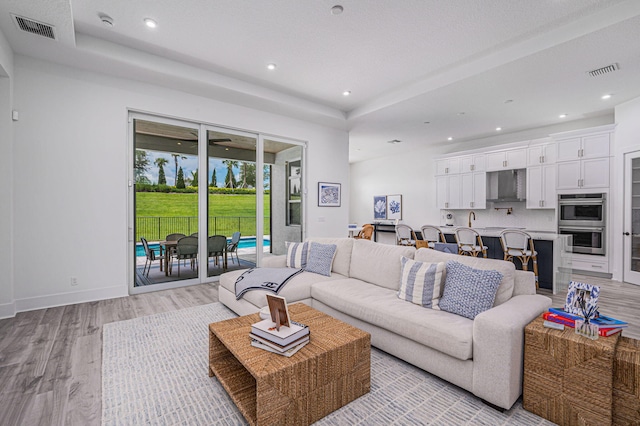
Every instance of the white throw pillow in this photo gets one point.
(421, 282)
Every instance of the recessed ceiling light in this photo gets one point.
(271, 66)
(427, 122)
(150, 23)
(607, 96)
(498, 129)
(563, 116)
(346, 93)
(449, 138)
(337, 9)
(179, 143)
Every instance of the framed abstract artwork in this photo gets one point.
(328, 194)
(394, 207)
(379, 207)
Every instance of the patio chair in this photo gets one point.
(366, 233)
(405, 235)
(151, 256)
(431, 235)
(232, 247)
(216, 245)
(173, 237)
(187, 248)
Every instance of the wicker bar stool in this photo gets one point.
(405, 235)
(430, 236)
(517, 244)
(470, 242)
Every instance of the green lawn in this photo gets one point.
(159, 214)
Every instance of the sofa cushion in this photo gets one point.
(443, 331)
(297, 254)
(421, 282)
(342, 261)
(468, 291)
(507, 269)
(378, 263)
(296, 289)
(320, 258)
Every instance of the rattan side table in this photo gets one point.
(568, 379)
(328, 373)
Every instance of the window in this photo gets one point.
(294, 191)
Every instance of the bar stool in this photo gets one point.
(470, 242)
(405, 235)
(431, 235)
(519, 244)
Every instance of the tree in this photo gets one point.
(214, 179)
(230, 179)
(266, 176)
(248, 175)
(194, 178)
(160, 162)
(180, 179)
(175, 159)
(140, 166)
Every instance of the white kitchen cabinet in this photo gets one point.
(583, 174)
(473, 163)
(541, 187)
(541, 154)
(580, 148)
(447, 166)
(474, 190)
(507, 159)
(448, 189)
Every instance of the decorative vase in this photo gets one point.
(587, 329)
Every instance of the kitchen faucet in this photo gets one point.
(474, 217)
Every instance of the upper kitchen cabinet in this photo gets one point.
(593, 146)
(541, 152)
(448, 166)
(473, 163)
(507, 159)
(448, 192)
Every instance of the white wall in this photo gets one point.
(7, 307)
(71, 163)
(627, 139)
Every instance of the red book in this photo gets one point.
(550, 316)
(608, 331)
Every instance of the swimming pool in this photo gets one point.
(246, 242)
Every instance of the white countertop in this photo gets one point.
(494, 231)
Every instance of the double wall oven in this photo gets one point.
(583, 216)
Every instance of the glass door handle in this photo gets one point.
(626, 233)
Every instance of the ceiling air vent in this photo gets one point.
(34, 27)
(604, 70)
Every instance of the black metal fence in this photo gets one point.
(156, 228)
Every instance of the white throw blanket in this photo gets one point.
(271, 279)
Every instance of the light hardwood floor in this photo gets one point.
(51, 359)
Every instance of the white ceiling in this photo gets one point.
(406, 62)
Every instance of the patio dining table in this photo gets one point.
(169, 246)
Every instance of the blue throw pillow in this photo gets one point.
(320, 258)
(468, 291)
(421, 282)
(297, 254)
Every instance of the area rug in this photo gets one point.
(155, 372)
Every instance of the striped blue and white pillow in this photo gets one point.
(421, 282)
(297, 254)
(320, 258)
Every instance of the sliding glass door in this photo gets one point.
(208, 199)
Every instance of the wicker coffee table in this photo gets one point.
(328, 373)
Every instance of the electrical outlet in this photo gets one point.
(74, 280)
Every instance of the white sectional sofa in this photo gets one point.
(483, 355)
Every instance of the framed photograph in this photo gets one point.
(394, 207)
(379, 207)
(328, 194)
(278, 310)
(582, 299)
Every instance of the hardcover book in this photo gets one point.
(286, 335)
(288, 353)
(278, 347)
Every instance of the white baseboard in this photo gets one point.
(62, 299)
(8, 310)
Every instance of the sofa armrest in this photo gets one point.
(274, 261)
(498, 348)
(524, 282)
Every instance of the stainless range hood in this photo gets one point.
(507, 185)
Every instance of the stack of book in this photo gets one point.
(607, 325)
(286, 341)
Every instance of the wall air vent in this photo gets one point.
(604, 70)
(34, 27)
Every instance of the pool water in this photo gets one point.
(248, 242)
